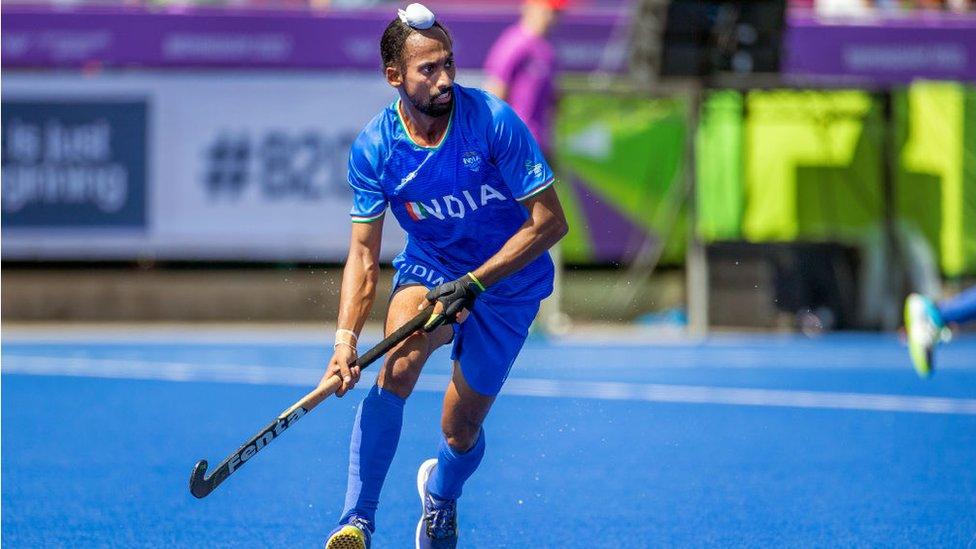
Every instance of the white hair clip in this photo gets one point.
(417, 16)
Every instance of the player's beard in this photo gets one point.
(431, 109)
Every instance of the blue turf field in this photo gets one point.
(740, 440)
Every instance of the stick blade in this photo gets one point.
(199, 486)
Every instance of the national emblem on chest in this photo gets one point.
(472, 161)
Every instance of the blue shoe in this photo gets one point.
(437, 528)
(924, 329)
(355, 534)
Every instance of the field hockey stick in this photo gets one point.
(201, 486)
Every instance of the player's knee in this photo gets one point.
(400, 384)
(461, 436)
(400, 372)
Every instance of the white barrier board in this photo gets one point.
(189, 166)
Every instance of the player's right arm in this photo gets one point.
(362, 265)
(356, 295)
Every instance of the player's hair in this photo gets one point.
(394, 38)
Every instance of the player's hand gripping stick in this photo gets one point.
(454, 297)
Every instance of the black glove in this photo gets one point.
(454, 296)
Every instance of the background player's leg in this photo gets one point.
(463, 445)
(376, 432)
(961, 308)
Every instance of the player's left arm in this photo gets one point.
(545, 226)
(530, 179)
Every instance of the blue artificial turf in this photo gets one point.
(105, 461)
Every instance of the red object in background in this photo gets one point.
(556, 4)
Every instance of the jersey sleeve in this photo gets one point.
(517, 154)
(368, 200)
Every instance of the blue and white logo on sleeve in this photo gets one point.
(534, 168)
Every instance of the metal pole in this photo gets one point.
(696, 260)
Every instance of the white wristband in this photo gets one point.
(347, 344)
(345, 337)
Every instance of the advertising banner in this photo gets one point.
(64, 36)
(882, 50)
(74, 164)
(620, 160)
(204, 166)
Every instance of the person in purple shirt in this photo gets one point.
(521, 67)
(521, 70)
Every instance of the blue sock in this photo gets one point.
(453, 468)
(961, 308)
(374, 442)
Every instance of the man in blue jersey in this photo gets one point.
(465, 179)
